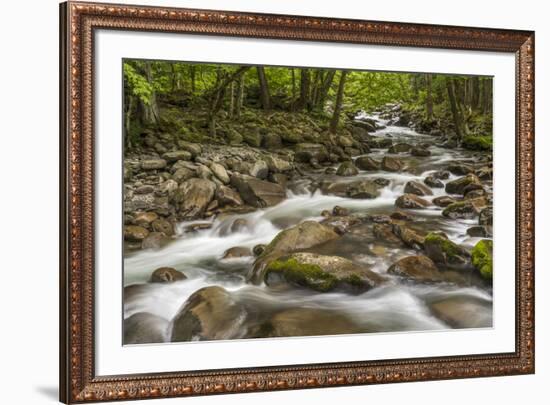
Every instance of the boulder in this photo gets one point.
(443, 201)
(459, 185)
(384, 232)
(177, 155)
(193, 197)
(366, 125)
(227, 196)
(237, 251)
(305, 152)
(408, 236)
(219, 171)
(182, 175)
(145, 219)
(143, 327)
(411, 201)
(204, 172)
(433, 182)
(379, 143)
(464, 312)
(363, 189)
(482, 143)
(259, 170)
(460, 210)
(258, 193)
(153, 164)
(445, 253)
(460, 169)
(441, 174)
(347, 169)
(400, 148)
(367, 163)
(480, 231)
(482, 258)
(258, 249)
(194, 149)
(135, 233)
(167, 188)
(155, 240)
(420, 152)
(419, 268)
(146, 189)
(391, 164)
(162, 225)
(277, 165)
(272, 141)
(417, 188)
(486, 216)
(302, 236)
(320, 273)
(167, 275)
(345, 141)
(210, 313)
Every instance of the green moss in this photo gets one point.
(482, 258)
(478, 142)
(456, 207)
(303, 274)
(354, 280)
(450, 249)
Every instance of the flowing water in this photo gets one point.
(396, 306)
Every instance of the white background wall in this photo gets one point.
(29, 198)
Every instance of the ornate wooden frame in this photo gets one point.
(78, 381)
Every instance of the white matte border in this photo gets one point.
(112, 358)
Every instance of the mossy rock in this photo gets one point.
(482, 258)
(473, 142)
(446, 253)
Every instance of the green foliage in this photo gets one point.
(137, 83)
(482, 258)
(450, 249)
(474, 142)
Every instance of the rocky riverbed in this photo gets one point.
(386, 228)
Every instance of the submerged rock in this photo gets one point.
(464, 312)
(419, 268)
(400, 148)
(320, 273)
(237, 251)
(420, 152)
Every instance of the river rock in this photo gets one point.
(167, 188)
(384, 232)
(480, 231)
(194, 149)
(135, 233)
(420, 152)
(363, 189)
(433, 182)
(182, 175)
(302, 236)
(305, 152)
(259, 170)
(155, 240)
(239, 225)
(411, 201)
(277, 165)
(210, 313)
(459, 185)
(474, 194)
(177, 155)
(400, 148)
(391, 164)
(460, 210)
(162, 225)
(237, 251)
(460, 169)
(153, 164)
(227, 196)
(258, 193)
(144, 327)
(415, 187)
(419, 268)
(486, 216)
(308, 322)
(441, 174)
(220, 172)
(464, 312)
(272, 141)
(320, 273)
(482, 258)
(167, 275)
(366, 125)
(408, 236)
(367, 163)
(204, 172)
(379, 143)
(347, 169)
(258, 249)
(193, 197)
(145, 219)
(443, 201)
(445, 253)
(145, 189)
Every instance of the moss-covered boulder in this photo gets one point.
(347, 169)
(459, 185)
(474, 142)
(391, 164)
(320, 273)
(460, 209)
(445, 253)
(367, 163)
(482, 258)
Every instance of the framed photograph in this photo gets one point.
(256, 202)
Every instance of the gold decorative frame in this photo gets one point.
(78, 381)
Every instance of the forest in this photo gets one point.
(267, 202)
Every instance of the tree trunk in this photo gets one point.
(150, 110)
(127, 121)
(193, 74)
(303, 101)
(232, 99)
(475, 92)
(429, 98)
(338, 103)
(327, 83)
(455, 110)
(265, 98)
(240, 96)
